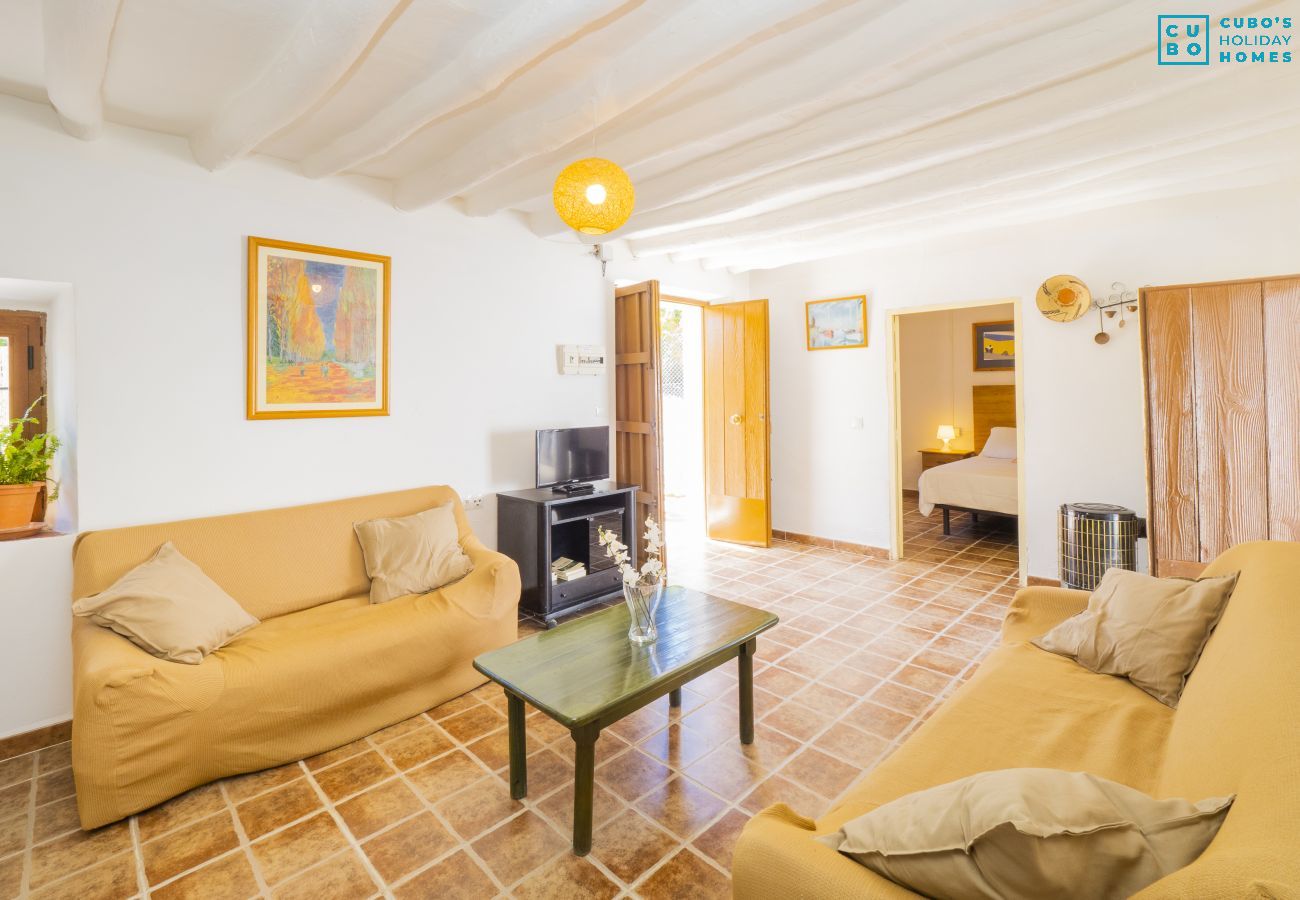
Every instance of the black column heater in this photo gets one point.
(1095, 537)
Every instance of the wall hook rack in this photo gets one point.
(1120, 300)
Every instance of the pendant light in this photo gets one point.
(593, 196)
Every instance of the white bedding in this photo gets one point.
(981, 482)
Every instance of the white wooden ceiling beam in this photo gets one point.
(771, 107)
(506, 47)
(1053, 111)
(1014, 76)
(323, 48)
(1233, 177)
(1245, 96)
(660, 46)
(77, 36)
(1175, 169)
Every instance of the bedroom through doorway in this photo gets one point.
(958, 483)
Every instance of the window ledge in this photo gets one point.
(32, 536)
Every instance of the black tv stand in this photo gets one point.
(538, 526)
(574, 488)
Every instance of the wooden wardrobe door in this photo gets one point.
(1282, 367)
(1231, 421)
(1171, 432)
(638, 454)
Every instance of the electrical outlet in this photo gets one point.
(474, 501)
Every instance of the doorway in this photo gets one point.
(681, 349)
(691, 415)
(958, 443)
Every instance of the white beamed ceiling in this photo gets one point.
(758, 133)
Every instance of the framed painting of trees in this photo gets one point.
(317, 331)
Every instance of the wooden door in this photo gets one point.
(736, 428)
(23, 335)
(637, 451)
(22, 376)
(1219, 362)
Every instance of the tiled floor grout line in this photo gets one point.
(348, 836)
(137, 857)
(25, 887)
(460, 844)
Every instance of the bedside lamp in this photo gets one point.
(946, 433)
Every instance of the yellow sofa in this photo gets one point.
(323, 668)
(1236, 731)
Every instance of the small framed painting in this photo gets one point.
(994, 346)
(837, 324)
(317, 331)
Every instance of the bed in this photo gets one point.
(986, 482)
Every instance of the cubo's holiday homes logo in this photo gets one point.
(1187, 40)
(1182, 40)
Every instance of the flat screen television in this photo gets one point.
(572, 455)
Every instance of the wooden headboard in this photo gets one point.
(994, 406)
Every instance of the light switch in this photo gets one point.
(855, 422)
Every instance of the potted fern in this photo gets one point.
(24, 469)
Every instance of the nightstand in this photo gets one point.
(937, 457)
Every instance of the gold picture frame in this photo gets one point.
(318, 320)
(839, 323)
(993, 346)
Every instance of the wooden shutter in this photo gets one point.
(25, 332)
(1173, 512)
(25, 345)
(1282, 369)
(638, 453)
(1219, 364)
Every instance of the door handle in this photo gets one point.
(736, 418)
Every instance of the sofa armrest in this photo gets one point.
(102, 658)
(776, 858)
(1037, 610)
(492, 588)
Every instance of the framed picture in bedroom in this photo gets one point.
(836, 324)
(317, 331)
(993, 346)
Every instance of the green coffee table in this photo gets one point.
(587, 675)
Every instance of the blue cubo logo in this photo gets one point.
(1183, 40)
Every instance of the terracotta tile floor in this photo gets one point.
(864, 651)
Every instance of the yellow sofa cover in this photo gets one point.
(323, 668)
(1236, 731)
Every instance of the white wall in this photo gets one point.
(1083, 404)
(154, 247)
(936, 374)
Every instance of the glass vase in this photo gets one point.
(642, 601)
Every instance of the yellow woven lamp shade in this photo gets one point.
(593, 196)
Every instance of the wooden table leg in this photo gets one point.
(746, 660)
(675, 698)
(518, 747)
(584, 777)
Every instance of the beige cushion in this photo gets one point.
(412, 554)
(1029, 833)
(1148, 630)
(168, 607)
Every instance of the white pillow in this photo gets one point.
(1001, 444)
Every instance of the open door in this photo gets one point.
(637, 451)
(737, 483)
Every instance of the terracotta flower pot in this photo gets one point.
(17, 503)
